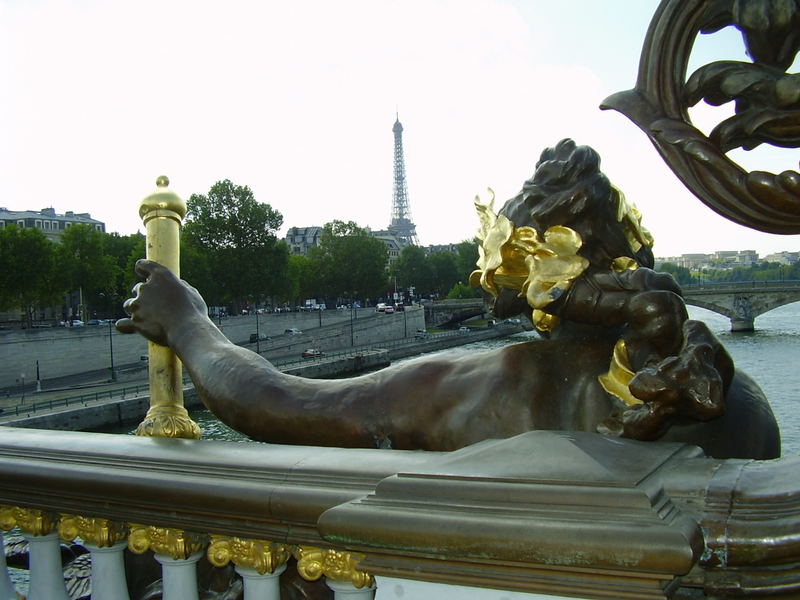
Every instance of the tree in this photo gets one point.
(681, 274)
(462, 290)
(413, 269)
(125, 250)
(349, 261)
(85, 266)
(27, 274)
(467, 258)
(236, 235)
(444, 265)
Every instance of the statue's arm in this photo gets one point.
(249, 394)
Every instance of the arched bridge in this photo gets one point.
(451, 312)
(742, 302)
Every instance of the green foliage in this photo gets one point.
(85, 265)
(462, 290)
(413, 269)
(230, 217)
(766, 271)
(27, 270)
(235, 236)
(125, 250)
(348, 262)
(467, 258)
(444, 266)
(681, 274)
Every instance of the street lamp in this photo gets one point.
(258, 335)
(111, 348)
(113, 298)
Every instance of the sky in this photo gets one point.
(297, 100)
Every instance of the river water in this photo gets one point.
(769, 355)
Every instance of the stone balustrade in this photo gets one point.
(541, 515)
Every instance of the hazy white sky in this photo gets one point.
(297, 100)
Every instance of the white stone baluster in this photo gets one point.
(340, 570)
(179, 576)
(106, 541)
(46, 573)
(259, 562)
(344, 590)
(108, 572)
(258, 586)
(177, 551)
(7, 591)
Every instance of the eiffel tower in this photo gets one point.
(402, 227)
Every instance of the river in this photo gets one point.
(769, 355)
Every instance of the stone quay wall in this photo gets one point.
(63, 354)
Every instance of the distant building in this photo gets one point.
(721, 259)
(46, 220)
(433, 248)
(301, 239)
(688, 261)
(394, 244)
(785, 258)
(734, 258)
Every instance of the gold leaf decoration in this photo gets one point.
(99, 532)
(175, 543)
(619, 376)
(337, 565)
(259, 555)
(30, 520)
(169, 422)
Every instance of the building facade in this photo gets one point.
(51, 224)
(301, 239)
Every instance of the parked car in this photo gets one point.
(312, 353)
(77, 323)
(93, 322)
(380, 307)
(421, 333)
(389, 310)
(293, 331)
(463, 330)
(258, 337)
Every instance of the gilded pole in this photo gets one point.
(162, 213)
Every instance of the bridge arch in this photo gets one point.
(742, 302)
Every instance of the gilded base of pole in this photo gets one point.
(169, 421)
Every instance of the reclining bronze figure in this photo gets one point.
(621, 356)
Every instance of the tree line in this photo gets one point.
(765, 271)
(231, 254)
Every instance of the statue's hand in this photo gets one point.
(161, 305)
(689, 386)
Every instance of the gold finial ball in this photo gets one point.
(163, 200)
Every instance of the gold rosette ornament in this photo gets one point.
(542, 268)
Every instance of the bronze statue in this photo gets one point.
(622, 358)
